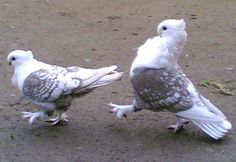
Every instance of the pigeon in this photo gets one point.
(52, 87)
(159, 84)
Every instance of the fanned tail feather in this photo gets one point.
(212, 123)
(211, 107)
(107, 79)
(215, 130)
(94, 75)
(93, 78)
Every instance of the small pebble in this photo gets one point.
(87, 60)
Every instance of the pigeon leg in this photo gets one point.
(33, 115)
(60, 117)
(121, 110)
(179, 124)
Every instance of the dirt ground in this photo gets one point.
(96, 33)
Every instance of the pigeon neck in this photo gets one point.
(175, 44)
(23, 69)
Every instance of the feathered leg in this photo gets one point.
(60, 117)
(33, 115)
(121, 110)
(179, 124)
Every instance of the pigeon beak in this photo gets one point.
(9, 62)
(160, 34)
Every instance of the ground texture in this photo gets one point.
(95, 33)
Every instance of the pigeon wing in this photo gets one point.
(47, 85)
(162, 89)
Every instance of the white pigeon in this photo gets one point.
(160, 84)
(52, 87)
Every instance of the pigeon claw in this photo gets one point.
(120, 110)
(176, 128)
(60, 117)
(33, 116)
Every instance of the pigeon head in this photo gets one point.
(171, 27)
(19, 56)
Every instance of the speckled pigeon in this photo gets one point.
(52, 87)
(160, 84)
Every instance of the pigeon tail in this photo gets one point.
(107, 79)
(93, 78)
(210, 121)
(215, 130)
(101, 76)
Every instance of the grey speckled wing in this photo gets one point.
(161, 89)
(47, 85)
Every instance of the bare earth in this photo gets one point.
(96, 33)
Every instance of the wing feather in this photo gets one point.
(47, 85)
(162, 89)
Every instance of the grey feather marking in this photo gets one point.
(44, 86)
(161, 89)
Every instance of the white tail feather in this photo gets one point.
(93, 75)
(211, 120)
(99, 77)
(215, 130)
(107, 79)
(211, 107)
(92, 78)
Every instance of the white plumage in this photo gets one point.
(160, 84)
(53, 87)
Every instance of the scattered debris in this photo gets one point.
(18, 102)
(12, 137)
(219, 86)
(99, 21)
(113, 17)
(229, 68)
(87, 60)
(193, 16)
(79, 148)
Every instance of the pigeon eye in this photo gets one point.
(164, 28)
(13, 58)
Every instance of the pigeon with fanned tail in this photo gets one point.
(160, 84)
(52, 87)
